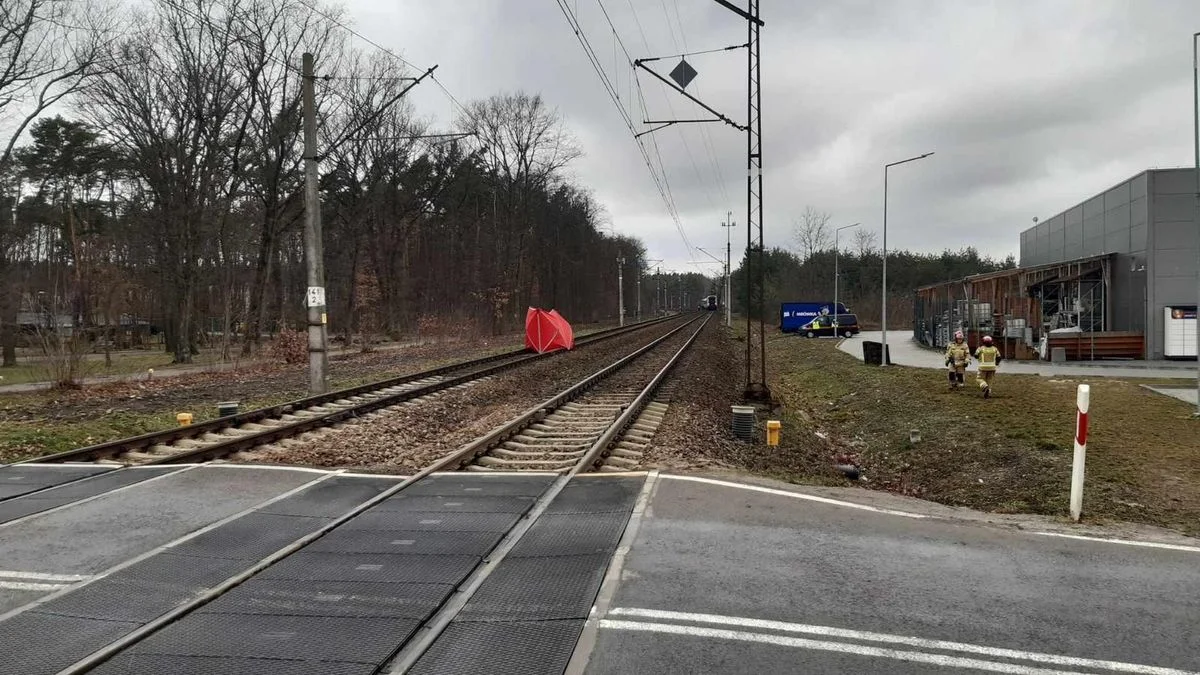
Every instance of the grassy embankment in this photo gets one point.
(1009, 454)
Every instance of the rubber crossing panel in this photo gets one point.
(69, 493)
(527, 615)
(99, 612)
(347, 602)
(21, 479)
(525, 648)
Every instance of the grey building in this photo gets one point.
(1148, 227)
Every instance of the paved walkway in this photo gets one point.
(1187, 395)
(908, 352)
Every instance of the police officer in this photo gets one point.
(958, 355)
(989, 358)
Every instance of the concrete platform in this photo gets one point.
(723, 578)
(908, 352)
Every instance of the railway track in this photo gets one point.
(220, 437)
(569, 428)
(416, 506)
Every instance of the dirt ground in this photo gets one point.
(696, 433)
(41, 422)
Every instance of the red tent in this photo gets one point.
(547, 331)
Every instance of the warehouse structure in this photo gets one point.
(1113, 276)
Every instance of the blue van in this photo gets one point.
(796, 315)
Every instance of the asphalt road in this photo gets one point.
(724, 580)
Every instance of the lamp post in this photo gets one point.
(728, 225)
(1196, 137)
(883, 322)
(837, 250)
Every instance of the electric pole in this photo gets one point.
(658, 292)
(728, 225)
(620, 290)
(318, 359)
(638, 316)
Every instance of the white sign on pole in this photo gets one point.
(316, 296)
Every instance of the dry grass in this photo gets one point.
(1009, 454)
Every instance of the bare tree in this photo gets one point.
(811, 232)
(524, 143)
(48, 51)
(172, 104)
(865, 242)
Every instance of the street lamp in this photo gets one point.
(836, 250)
(728, 225)
(1196, 122)
(884, 358)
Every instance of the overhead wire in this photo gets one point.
(670, 108)
(658, 176)
(341, 24)
(679, 129)
(705, 135)
(636, 83)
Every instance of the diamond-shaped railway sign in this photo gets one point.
(683, 74)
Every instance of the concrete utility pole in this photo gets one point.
(638, 316)
(314, 258)
(728, 225)
(621, 290)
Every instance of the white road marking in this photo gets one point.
(1123, 542)
(906, 514)
(42, 576)
(612, 578)
(272, 467)
(30, 586)
(829, 631)
(794, 495)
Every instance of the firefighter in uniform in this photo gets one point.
(988, 357)
(958, 355)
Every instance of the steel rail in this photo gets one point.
(480, 446)
(409, 653)
(455, 460)
(512, 359)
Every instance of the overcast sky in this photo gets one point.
(1030, 105)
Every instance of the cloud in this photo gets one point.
(1030, 106)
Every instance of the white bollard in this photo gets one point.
(1081, 427)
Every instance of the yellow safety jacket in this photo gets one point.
(988, 357)
(958, 353)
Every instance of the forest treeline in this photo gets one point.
(789, 276)
(165, 196)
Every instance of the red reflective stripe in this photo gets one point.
(1081, 428)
